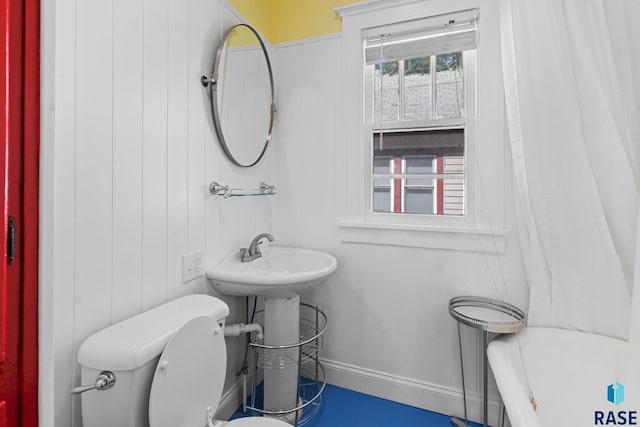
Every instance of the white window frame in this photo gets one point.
(466, 122)
(482, 228)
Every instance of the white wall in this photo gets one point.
(127, 153)
(389, 331)
(128, 150)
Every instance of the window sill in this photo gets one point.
(420, 236)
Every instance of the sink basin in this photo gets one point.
(280, 272)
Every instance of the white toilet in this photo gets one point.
(169, 365)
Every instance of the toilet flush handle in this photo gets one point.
(104, 381)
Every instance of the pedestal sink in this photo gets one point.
(281, 275)
(281, 272)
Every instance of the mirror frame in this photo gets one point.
(213, 93)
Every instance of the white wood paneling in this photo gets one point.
(128, 75)
(306, 130)
(329, 130)
(93, 166)
(202, 39)
(129, 152)
(154, 147)
(57, 282)
(177, 156)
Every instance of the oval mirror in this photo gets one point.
(242, 95)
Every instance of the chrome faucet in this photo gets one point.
(253, 252)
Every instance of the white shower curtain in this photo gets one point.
(572, 86)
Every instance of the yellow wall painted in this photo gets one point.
(242, 36)
(257, 13)
(301, 19)
(282, 21)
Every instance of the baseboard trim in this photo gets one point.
(408, 391)
(230, 401)
(233, 398)
(420, 394)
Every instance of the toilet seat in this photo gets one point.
(189, 377)
(257, 422)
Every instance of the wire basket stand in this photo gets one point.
(302, 355)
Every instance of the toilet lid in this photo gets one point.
(189, 376)
(258, 422)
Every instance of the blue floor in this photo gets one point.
(346, 408)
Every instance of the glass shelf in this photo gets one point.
(226, 192)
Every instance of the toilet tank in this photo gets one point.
(131, 349)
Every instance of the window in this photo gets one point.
(427, 154)
(419, 172)
(419, 107)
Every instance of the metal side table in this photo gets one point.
(489, 316)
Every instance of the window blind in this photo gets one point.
(454, 33)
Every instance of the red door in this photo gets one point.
(19, 152)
